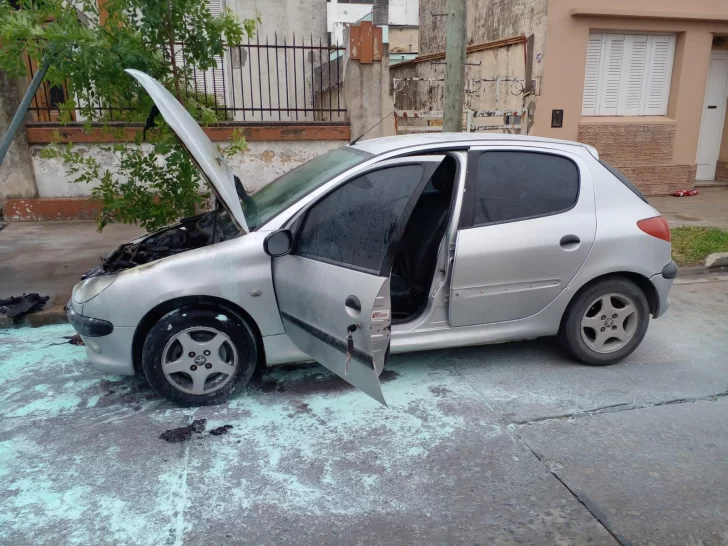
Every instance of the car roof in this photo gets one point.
(382, 145)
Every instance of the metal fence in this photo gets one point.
(264, 79)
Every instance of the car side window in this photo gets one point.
(354, 225)
(514, 185)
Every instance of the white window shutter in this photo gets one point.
(634, 67)
(215, 7)
(591, 78)
(659, 75)
(611, 75)
(213, 81)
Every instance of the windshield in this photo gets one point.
(280, 194)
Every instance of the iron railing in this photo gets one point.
(263, 79)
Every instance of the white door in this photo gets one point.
(711, 127)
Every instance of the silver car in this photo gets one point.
(391, 245)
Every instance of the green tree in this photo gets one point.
(150, 184)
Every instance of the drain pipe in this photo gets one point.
(23, 108)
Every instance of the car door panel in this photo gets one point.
(322, 336)
(512, 270)
(333, 292)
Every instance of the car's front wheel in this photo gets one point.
(199, 356)
(606, 322)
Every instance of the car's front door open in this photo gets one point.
(333, 290)
(338, 311)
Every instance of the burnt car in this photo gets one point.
(390, 245)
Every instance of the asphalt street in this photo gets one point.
(504, 444)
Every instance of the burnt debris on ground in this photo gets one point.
(219, 431)
(16, 307)
(182, 434)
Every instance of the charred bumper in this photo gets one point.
(87, 326)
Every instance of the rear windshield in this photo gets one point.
(624, 180)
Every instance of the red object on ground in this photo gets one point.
(685, 193)
(656, 226)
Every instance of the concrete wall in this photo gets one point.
(285, 17)
(16, 171)
(488, 20)
(367, 88)
(262, 163)
(404, 12)
(404, 39)
(281, 20)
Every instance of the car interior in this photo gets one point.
(416, 260)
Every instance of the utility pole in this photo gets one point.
(455, 66)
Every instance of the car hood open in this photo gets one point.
(211, 162)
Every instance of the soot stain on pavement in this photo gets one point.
(319, 382)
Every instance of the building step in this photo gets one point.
(710, 184)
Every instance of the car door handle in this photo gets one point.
(352, 302)
(570, 242)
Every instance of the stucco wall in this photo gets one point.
(488, 20)
(262, 163)
(565, 59)
(403, 39)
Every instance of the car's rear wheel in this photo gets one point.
(606, 322)
(199, 356)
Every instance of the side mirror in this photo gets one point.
(278, 243)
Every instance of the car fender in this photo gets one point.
(237, 271)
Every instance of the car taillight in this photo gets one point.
(656, 226)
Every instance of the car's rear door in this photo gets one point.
(527, 225)
(333, 289)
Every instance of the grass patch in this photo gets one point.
(691, 245)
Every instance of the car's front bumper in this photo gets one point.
(663, 283)
(109, 348)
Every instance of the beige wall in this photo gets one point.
(565, 60)
(404, 39)
(568, 25)
(723, 154)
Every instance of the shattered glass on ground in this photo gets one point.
(303, 458)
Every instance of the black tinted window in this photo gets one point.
(517, 185)
(354, 224)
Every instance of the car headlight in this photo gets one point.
(90, 288)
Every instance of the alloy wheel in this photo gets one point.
(199, 360)
(609, 323)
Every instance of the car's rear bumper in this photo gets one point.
(663, 283)
(108, 348)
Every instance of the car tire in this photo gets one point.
(199, 355)
(605, 322)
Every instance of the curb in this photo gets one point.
(699, 273)
(54, 315)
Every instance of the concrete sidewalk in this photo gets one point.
(49, 258)
(708, 208)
